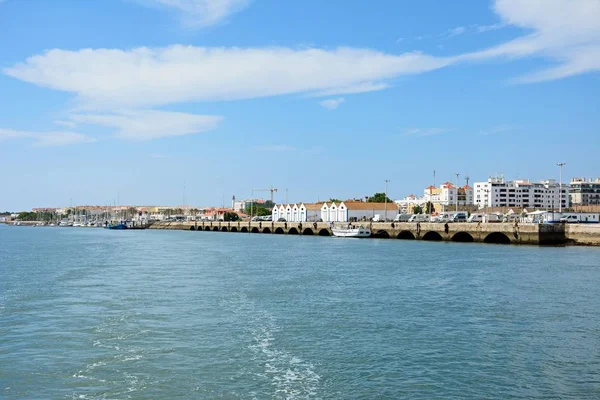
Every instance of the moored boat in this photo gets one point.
(118, 225)
(351, 231)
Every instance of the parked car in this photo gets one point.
(378, 218)
(419, 218)
(282, 220)
(402, 218)
(459, 217)
(445, 217)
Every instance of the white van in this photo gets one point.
(402, 218)
(475, 218)
(460, 217)
(444, 217)
(419, 218)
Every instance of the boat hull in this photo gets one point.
(351, 232)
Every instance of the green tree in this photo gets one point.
(379, 198)
(417, 209)
(335, 200)
(261, 212)
(230, 216)
(27, 216)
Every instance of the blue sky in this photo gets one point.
(323, 98)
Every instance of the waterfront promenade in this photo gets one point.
(502, 233)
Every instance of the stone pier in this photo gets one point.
(503, 233)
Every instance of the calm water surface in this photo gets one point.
(96, 314)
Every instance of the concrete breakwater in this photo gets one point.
(503, 233)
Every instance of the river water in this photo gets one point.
(97, 314)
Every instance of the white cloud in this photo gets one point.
(202, 12)
(6, 134)
(68, 124)
(150, 124)
(565, 31)
(459, 30)
(62, 139)
(488, 28)
(149, 77)
(46, 138)
(332, 104)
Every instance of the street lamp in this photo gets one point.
(560, 166)
(385, 201)
(457, 175)
(251, 203)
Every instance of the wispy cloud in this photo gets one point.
(150, 124)
(68, 124)
(566, 33)
(144, 77)
(421, 132)
(62, 139)
(459, 30)
(488, 28)
(332, 104)
(275, 148)
(46, 138)
(197, 13)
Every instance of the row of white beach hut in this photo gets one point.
(333, 211)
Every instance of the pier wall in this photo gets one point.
(504, 233)
(583, 234)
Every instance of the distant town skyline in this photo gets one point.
(144, 97)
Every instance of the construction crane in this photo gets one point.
(271, 189)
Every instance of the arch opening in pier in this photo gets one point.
(244, 229)
(293, 231)
(462, 237)
(433, 236)
(266, 230)
(207, 228)
(406, 235)
(279, 231)
(381, 234)
(224, 229)
(324, 232)
(216, 229)
(497, 238)
(233, 229)
(192, 228)
(254, 230)
(308, 231)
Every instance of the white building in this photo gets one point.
(406, 205)
(356, 211)
(303, 212)
(449, 195)
(585, 192)
(497, 192)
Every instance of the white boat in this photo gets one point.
(351, 231)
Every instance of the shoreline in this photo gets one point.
(498, 233)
